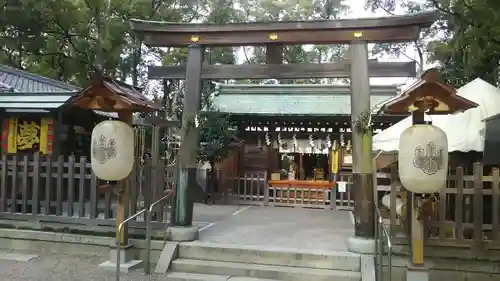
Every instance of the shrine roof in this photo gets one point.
(28, 92)
(21, 81)
(111, 95)
(292, 99)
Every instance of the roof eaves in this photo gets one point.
(301, 89)
(37, 94)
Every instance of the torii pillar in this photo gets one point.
(362, 168)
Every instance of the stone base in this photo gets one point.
(182, 233)
(417, 273)
(127, 261)
(361, 245)
(124, 267)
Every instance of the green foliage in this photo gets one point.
(60, 38)
(216, 136)
(464, 41)
(471, 48)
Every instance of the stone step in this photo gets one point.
(183, 276)
(270, 256)
(286, 273)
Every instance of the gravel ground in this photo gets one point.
(56, 267)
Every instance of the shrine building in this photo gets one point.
(295, 127)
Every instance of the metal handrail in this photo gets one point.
(118, 242)
(147, 266)
(382, 231)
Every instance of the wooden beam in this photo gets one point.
(291, 37)
(285, 71)
(384, 29)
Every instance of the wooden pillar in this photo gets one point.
(361, 143)
(58, 127)
(416, 228)
(123, 193)
(274, 55)
(182, 213)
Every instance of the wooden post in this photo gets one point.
(182, 213)
(364, 226)
(123, 193)
(416, 227)
(274, 55)
(56, 145)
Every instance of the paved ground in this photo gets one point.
(268, 226)
(213, 213)
(284, 227)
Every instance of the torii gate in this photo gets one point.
(355, 32)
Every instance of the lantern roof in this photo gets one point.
(110, 95)
(430, 96)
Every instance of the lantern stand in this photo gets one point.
(109, 95)
(426, 96)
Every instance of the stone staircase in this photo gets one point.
(203, 261)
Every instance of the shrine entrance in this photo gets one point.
(274, 35)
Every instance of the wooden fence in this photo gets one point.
(65, 191)
(464, 214)
(252, 189)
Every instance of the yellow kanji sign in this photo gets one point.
(27, 134)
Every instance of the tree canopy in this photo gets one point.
(67, 39)
(464, 42)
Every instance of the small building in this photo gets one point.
(33, 111)
(294, 126)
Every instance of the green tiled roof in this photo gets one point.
(292, 99)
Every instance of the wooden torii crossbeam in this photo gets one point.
(274, 35)
(377, 30)
(339, 69)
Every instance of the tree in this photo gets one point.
(470, 47)
(60, 38)
(217, 136)
(419, 46)
(464, 41)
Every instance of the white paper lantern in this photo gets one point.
(423, 158)
(112, 150)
